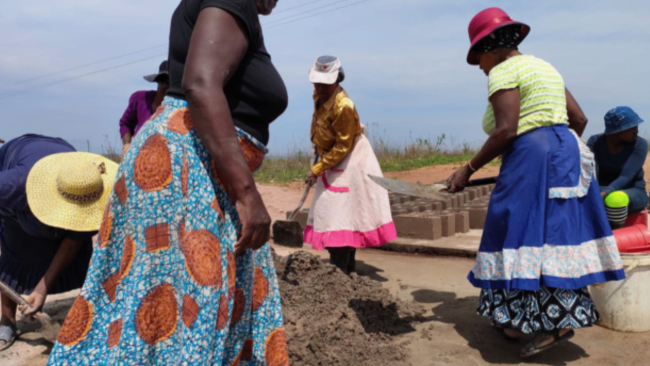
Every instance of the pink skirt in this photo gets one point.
(349, 209)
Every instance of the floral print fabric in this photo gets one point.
(165, 287)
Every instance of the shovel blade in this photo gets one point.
(49, 328)
(288, 233)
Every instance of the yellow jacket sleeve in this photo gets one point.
(346, 126)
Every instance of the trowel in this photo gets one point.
(49, 328)
(436, 191)
(288, 232)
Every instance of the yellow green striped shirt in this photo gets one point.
(542, 91)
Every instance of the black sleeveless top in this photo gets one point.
(256, 93)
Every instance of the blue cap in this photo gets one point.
(621, 119)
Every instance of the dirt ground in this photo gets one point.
(448, 333)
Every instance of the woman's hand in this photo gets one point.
(256, 223)
(311, 178)
(36, 300)
(457, 181)
(603, 195)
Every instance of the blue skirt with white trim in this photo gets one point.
(546, 223)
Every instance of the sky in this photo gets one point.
(404, 61)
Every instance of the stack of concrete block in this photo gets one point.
(422, 218)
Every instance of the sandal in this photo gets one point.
(7, 335)
(532, 349)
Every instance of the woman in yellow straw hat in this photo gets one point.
(51, 204)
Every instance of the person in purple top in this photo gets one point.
(142, 105)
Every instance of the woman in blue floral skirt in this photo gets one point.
(181, 274)
(546, 236)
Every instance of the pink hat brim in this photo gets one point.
(472, 57)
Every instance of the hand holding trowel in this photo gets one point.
(50, 329)
(289, 232)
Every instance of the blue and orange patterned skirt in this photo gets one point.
(164, 286)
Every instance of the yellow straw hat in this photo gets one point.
(70, 190)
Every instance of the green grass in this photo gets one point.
(398, 164)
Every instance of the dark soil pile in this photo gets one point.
(332, 319)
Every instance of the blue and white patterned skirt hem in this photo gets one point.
(534, 237)
(545, 310)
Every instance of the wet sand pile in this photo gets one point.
(333, 319)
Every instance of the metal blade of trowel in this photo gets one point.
(436, 191)
(432, 191)
(50, 329)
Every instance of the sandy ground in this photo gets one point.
(451, 335)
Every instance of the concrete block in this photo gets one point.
(462, 222)
(448, 221)
(485, 190)
(437, 206)
(418, 227)
(461, 199)
(426, 206)
(398, 211)
(454, 201)
(477, 217)
(446, 204)
(409, 207)
(472, 194)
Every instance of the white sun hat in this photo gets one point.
(326, 70)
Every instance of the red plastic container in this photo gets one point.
(640, 218)
(633, 239)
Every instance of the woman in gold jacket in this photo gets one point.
(349, 211)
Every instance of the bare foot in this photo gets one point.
(513, 333)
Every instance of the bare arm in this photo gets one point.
(506, 104)
(577, 119)
(129, 121)
(127, 138)
(62, 259)
(218, 44)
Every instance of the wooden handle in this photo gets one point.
(476, 182)
(481, 182)
(13, 295)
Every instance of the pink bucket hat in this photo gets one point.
(486, 22)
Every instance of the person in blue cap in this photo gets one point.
(620, 154)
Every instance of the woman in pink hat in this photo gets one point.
(546, 236)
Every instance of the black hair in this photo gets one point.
(341, 76)
(508, 36)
